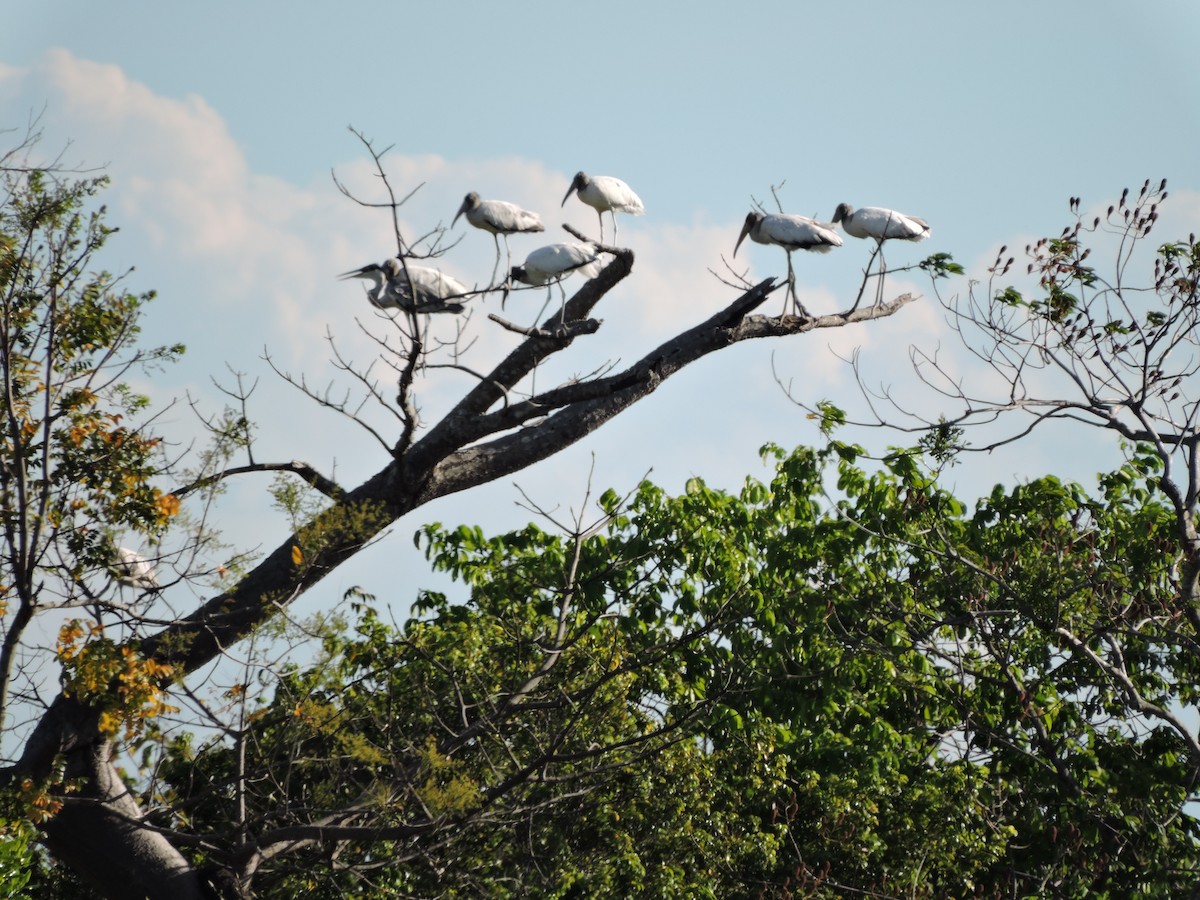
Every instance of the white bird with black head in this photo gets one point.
(605, 194)
(790, 233)
(553, 263)
(410, 287)
(499, 217)
(879, 224)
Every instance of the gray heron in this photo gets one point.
(430, 290)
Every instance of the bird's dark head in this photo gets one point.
(843, 211)
(752, 218)
(470, 202)
(578, 183)
(517, 274)
(387, 270)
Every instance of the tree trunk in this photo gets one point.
(97, 834)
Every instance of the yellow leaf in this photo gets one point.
(168, 505)
(297, 556)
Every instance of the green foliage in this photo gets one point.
(941, 265)
(17, 861)
(1009, 296)
(72, 468)
(943, 442)
(752, 694)
(830, 416)
(80, 472)
(63, 321)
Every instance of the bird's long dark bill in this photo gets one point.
(741, 237)
(567, 196)
(359, 273)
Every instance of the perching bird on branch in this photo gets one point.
(429, 291)
(880, 224)
(603, 193)
(790, 233)
(132, 569)
(552, 263)
(500, 218)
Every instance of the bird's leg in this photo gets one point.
(791, 291)
(882, 272)
(562, 310)
(600, 217)
(418, 333)
(537, 323)
(613, 213)
(496, 264)
(866, 277)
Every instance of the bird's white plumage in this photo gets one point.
(552, 264)
(880, 224)
(430, 290)
(789, 232)
(498, 216)
(555, 261)
(603, 193)
(131, 568)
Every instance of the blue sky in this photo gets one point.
(220, 123)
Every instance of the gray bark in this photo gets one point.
(99, 835)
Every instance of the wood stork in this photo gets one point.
(429, 292)
(131, 568)
(790, 233)
(500, 218)
(603, 193)
(880, 225)
(553, 263)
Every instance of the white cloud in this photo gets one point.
(243, 259)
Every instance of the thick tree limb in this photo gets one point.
(140, 862)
